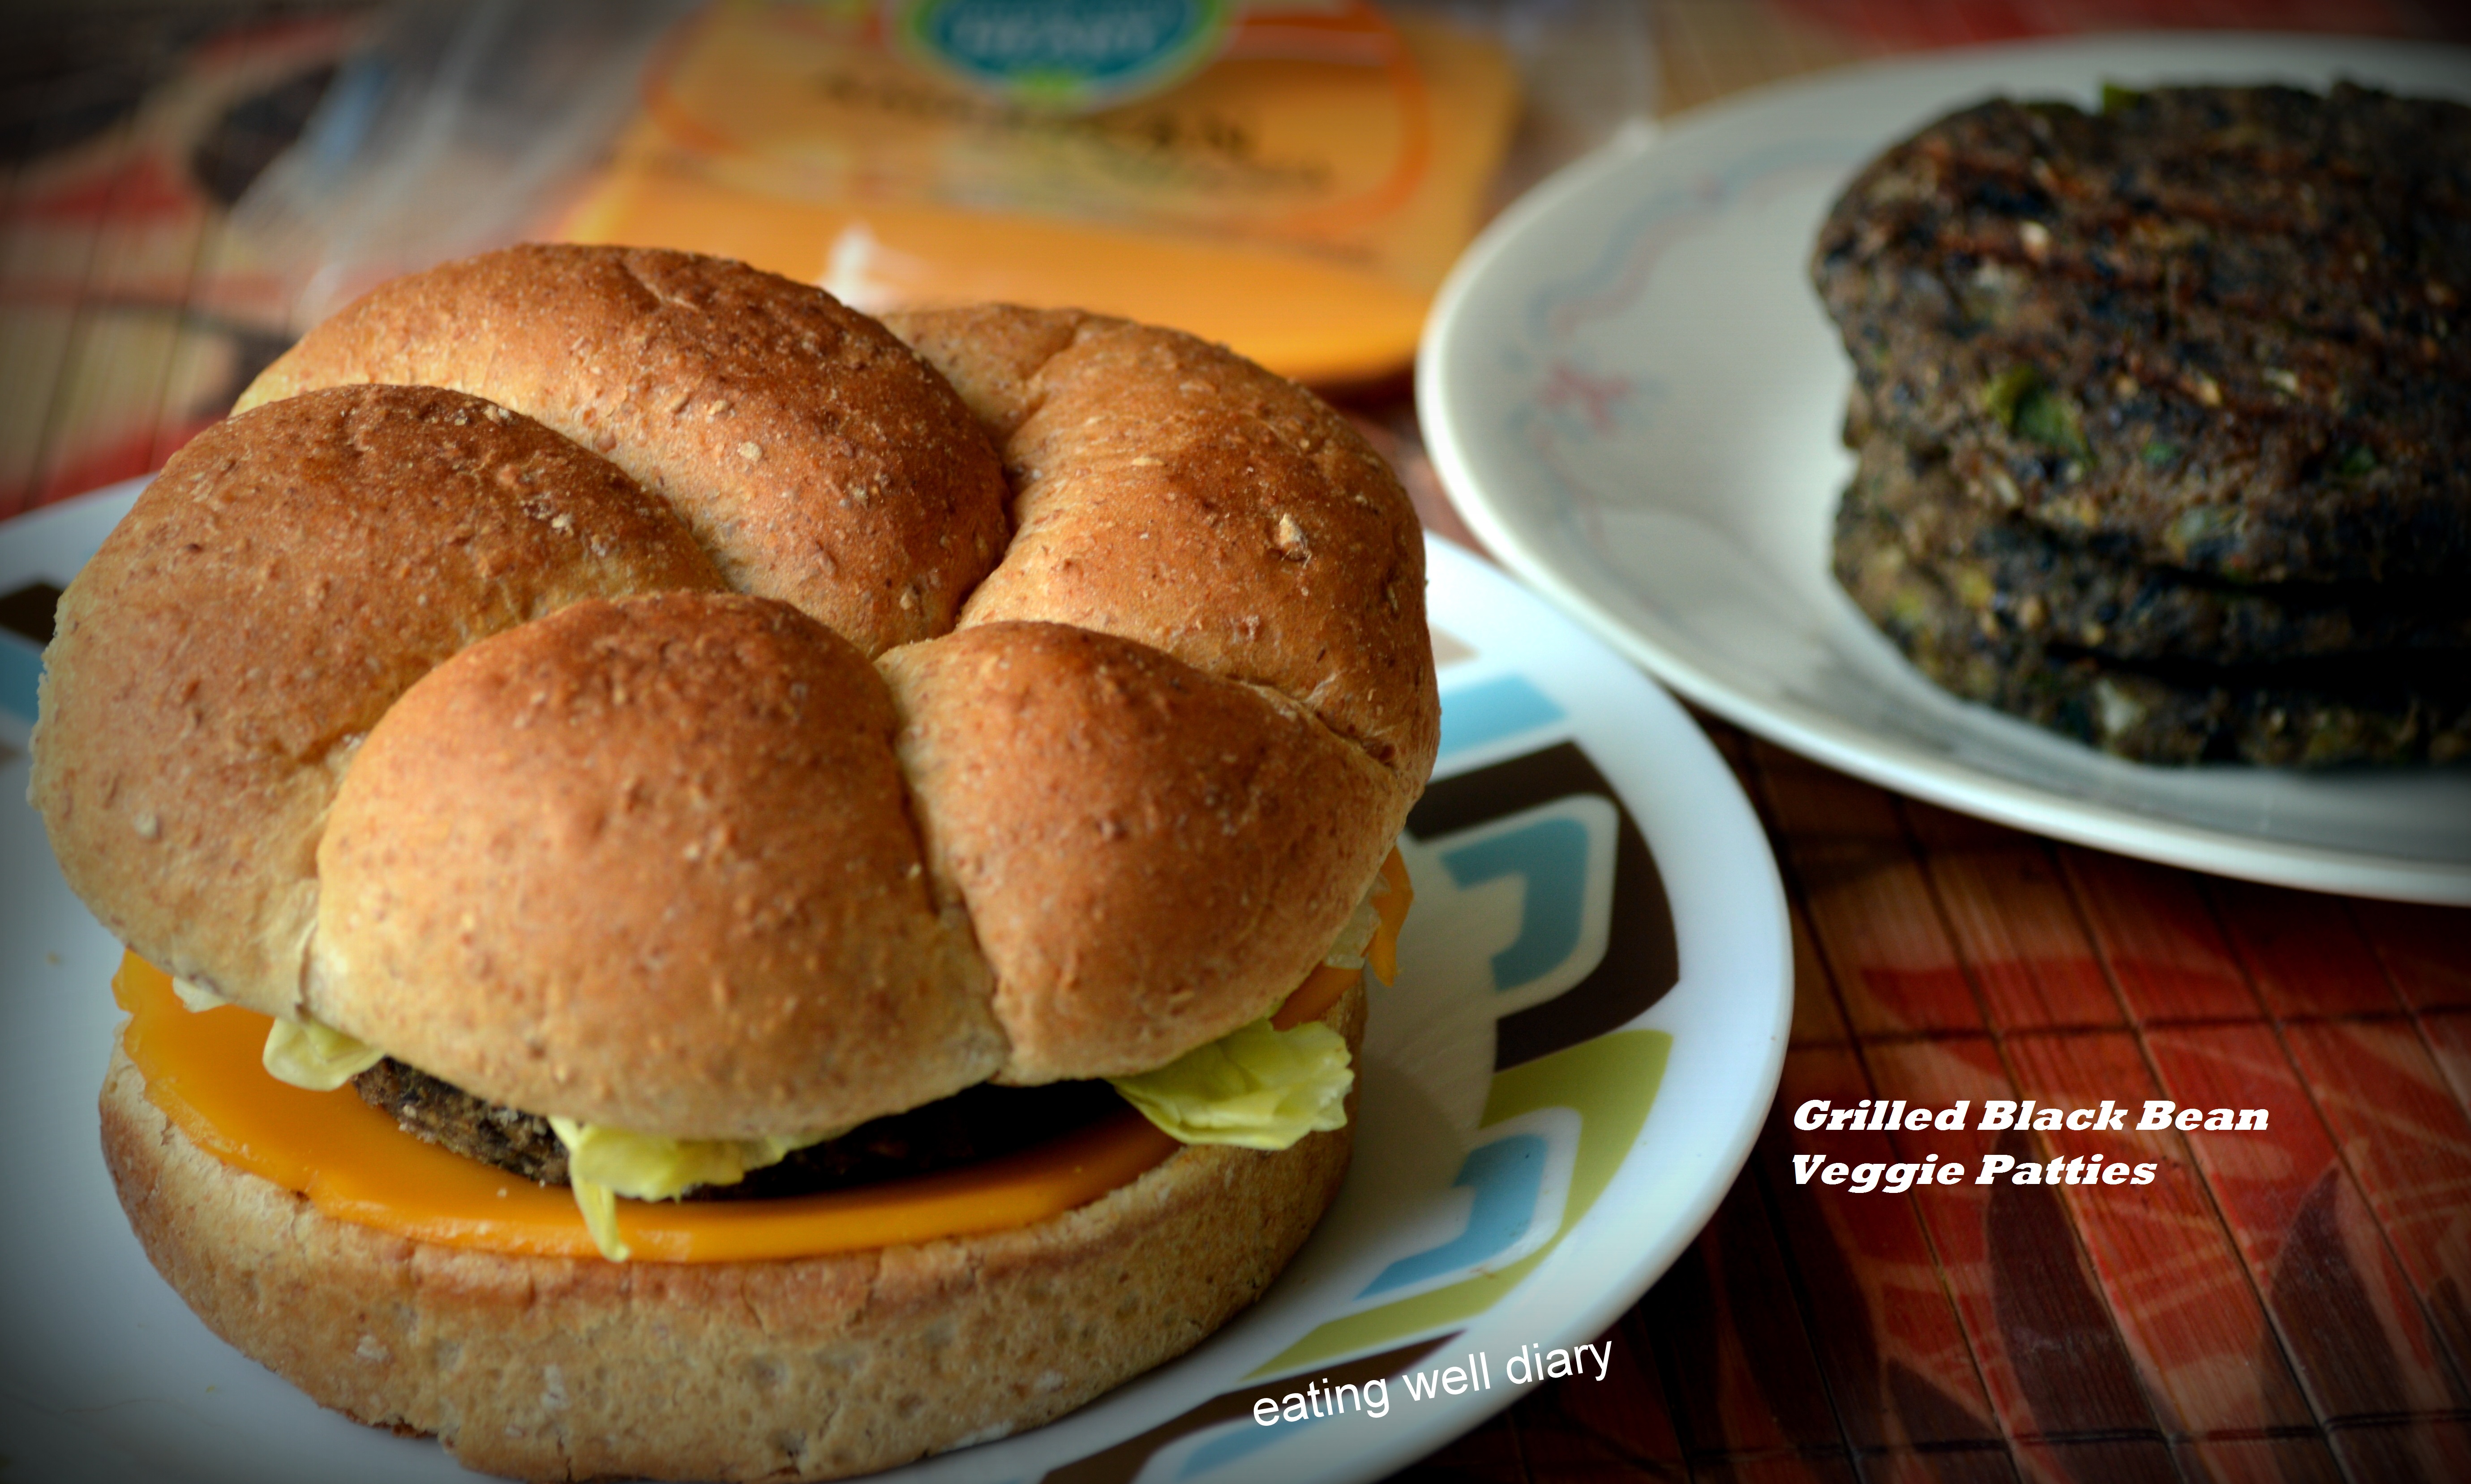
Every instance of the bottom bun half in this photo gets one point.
(811, 1368)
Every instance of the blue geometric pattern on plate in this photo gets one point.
(1551, 856)
(21, 664)
(1507, 1176)
(1491, 709)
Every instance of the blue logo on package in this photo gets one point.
(1065, 55)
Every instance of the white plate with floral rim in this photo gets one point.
(1633, 394)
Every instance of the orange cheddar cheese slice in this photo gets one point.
(202, 1069)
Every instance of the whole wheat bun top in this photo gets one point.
(285, 580)
(811, 454)
(1075, 683)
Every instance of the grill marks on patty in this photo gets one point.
(976, 1123)
(2221, 326)
(2022, 584)
(453, 1119)
(2159, 412)
(2382, 707)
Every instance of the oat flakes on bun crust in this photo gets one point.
(713, 811)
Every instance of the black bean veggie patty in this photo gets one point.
(2164, 418)
(2301, 712)
(2222, 327)
(2029, 585)
(976, 1123)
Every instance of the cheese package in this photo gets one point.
(1291, 178)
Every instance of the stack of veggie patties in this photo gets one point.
(2164, 418)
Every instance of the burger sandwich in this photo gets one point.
(719, 890)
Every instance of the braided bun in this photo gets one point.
(690, 864)
(639, 690)
(283, 582)
(677, 888)
(811, 454)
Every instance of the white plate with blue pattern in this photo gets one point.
(1634, 396)
(1591, 1015)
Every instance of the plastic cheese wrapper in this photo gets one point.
(1291, 178)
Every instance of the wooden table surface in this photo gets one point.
(2293, 1303)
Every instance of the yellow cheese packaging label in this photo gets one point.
(1294, 181)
